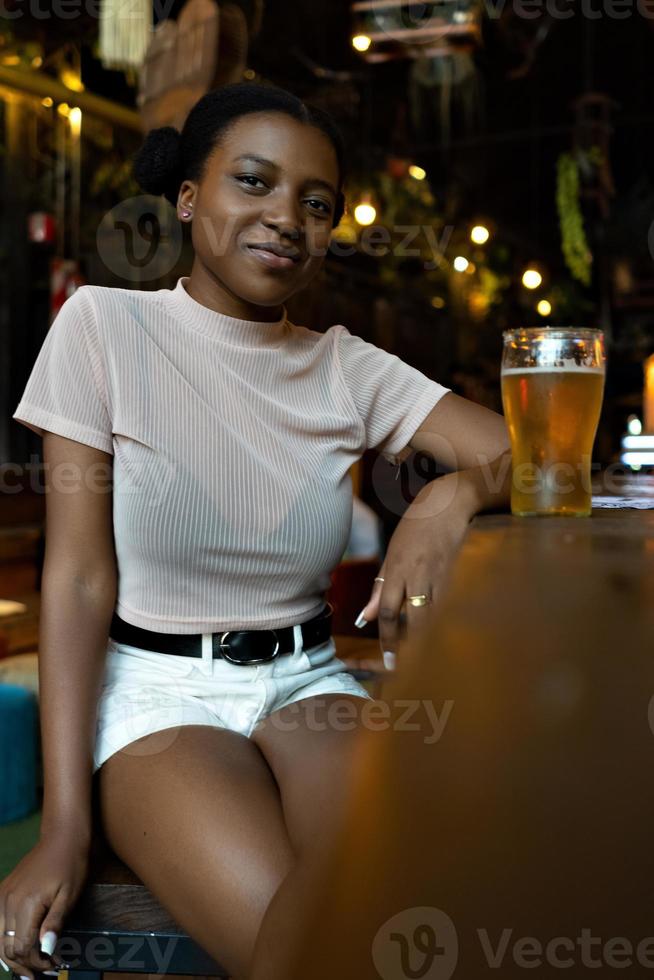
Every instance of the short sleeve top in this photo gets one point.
(232, 442)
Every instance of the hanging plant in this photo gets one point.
(574, 243)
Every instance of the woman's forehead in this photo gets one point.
(280, 140)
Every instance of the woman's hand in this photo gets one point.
(418, 556)
(35, 898)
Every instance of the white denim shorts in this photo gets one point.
(145, 691)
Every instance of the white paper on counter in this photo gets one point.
(637, 503)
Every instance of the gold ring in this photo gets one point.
(419, 600)
(379, 580)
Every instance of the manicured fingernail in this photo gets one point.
(51, 973)
(5, 965)
(23, 978)
(48, 942)
(389, 660)
(360, 620)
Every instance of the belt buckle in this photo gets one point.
(247, 661)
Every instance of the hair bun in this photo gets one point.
(157, 164)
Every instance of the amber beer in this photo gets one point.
(552, 411)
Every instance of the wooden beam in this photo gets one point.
(39, 84)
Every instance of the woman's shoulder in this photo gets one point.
(119, 295)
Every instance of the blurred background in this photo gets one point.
(501, 174)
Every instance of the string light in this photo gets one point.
(634, 426)
(365, 212)
(47, 102)
(361, 42)
(71, 80)
(480, 235)
(544, 307)
(461, 263)
(75, 120)
(417, 172)
(63, 109)
(532, 279)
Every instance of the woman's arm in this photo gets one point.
(78, 593)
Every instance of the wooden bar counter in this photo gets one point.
(515, 834)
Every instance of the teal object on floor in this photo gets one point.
(18, 752)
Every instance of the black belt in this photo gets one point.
(244, 647)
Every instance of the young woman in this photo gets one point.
(197, 450)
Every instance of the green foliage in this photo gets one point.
(574, 243)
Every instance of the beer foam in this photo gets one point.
(568, 367)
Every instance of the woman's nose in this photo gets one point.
(283, 226)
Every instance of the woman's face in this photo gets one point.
(272, 181)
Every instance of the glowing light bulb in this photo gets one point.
(417, 172)
(461, 263)
(75, 120)
(532, 279)
(63, 109)
(480, 235)
(544, 307)
(364, 213)
(361, 42)
(47, 102)
(634, 426)
(71, 80)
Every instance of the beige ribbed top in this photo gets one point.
(232, 442)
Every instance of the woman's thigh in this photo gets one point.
(198, 818)
(310, 747)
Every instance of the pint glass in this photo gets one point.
(552, 390)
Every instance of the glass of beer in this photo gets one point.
(552, 390)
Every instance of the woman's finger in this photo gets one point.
(417, 615)
(390, 604)
(10, 942)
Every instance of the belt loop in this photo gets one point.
(207, 653)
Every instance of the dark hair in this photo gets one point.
(167, 157)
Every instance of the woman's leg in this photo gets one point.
(195, 812)
(309, 746)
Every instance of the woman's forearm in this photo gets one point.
(73, 631)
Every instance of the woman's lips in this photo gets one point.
(271, 260)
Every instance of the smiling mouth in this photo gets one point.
(270, 259)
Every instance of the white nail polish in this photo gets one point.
(23, 978)
(5, 965)
(51, 973)
(48, 943)
(360, 621)
(389, 660)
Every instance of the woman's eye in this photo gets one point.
(314, 202)
(326, 208)
(245, 177)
